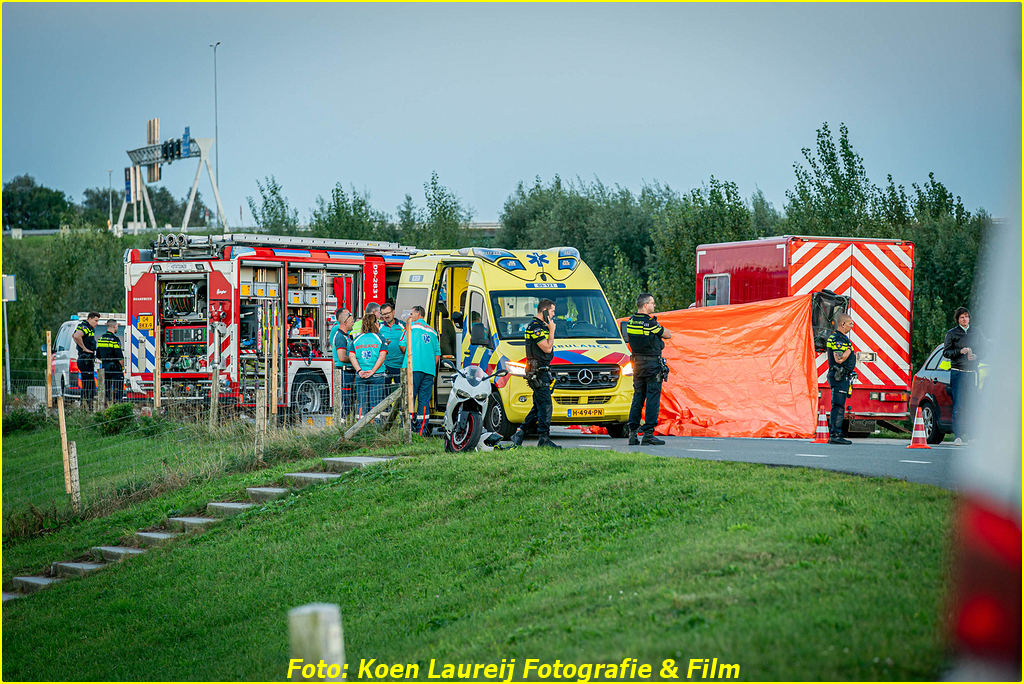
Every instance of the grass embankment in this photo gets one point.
(581, 556)
(145, 457)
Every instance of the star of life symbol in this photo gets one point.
(537, 259)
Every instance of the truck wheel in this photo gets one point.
(495, 419)
(932, 433)
(616, 430)
(309, 392)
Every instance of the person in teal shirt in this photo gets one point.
(393, 333)
(367, 355)
(341, 344)
(426, 352)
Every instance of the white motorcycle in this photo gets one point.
(464, 415)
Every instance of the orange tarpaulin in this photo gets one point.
(746, 370)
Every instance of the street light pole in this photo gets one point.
(110, 198)
(216, 128)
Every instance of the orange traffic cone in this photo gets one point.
(919, 440)
(821, 433)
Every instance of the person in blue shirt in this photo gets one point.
(367, 356)
(426, 352)
(393, 332)
(341, 344)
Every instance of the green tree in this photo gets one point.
(274, 214)
(30, 206)
(765, 220)
(621, 283)
(445, 221)
(350, 216)
(409, 219)
(715, 213)
(833, 197)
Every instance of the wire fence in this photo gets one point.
(126, 450)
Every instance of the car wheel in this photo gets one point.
(616, 430)
(930, 418)
(495, 419)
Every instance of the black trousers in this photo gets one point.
(539, 417)
(835, 416)
(646, 390)
(86, 370)
(114, 387)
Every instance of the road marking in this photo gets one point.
(715, 451)
(813, 455)
(593, 446)
(906, 461)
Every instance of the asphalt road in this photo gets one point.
(871, 457)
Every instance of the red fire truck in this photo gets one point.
(871, 279)
(218, 300)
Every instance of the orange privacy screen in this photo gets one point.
(746, 370)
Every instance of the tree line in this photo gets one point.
(635, 240)
(30, 206)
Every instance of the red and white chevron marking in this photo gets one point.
(878, 278)
(225, 353)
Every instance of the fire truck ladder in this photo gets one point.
(183, 246)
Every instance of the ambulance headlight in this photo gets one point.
(628, 368)
(515, 368)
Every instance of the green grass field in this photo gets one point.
(578, 555)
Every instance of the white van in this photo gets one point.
(66, 380)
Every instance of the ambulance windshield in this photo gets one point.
(578, 313)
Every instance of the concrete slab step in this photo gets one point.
(191, 524)
(344, 464)
(77, 569)
(261, 494)
(114, 553)
(30, 585)
(308, 479)
(154, 538)
(227, 509)
(11, 596)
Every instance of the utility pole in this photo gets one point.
(110, 198)
(216, 128)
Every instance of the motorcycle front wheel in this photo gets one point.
(464, 439)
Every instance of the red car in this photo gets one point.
(930, 390)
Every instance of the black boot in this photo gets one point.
(633, 439)
(517, 439)
(651, 440)
(545, 441)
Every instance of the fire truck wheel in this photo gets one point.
(308, 392)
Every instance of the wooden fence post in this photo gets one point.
(101, 388)
(315, 634)
(274, 384)
(156, 368)
(76, 490)
(64, 442)
(261, 422)
(214, 396)
(406, 416)
(49, 370)
(336, 397)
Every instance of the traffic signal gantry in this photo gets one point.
(152, 156)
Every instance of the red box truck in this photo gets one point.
(871, 279)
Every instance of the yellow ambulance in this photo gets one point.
(481, 300)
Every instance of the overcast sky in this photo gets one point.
(380, 95)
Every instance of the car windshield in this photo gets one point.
(578, 313)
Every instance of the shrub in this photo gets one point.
(115, 419)
(23, 420)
